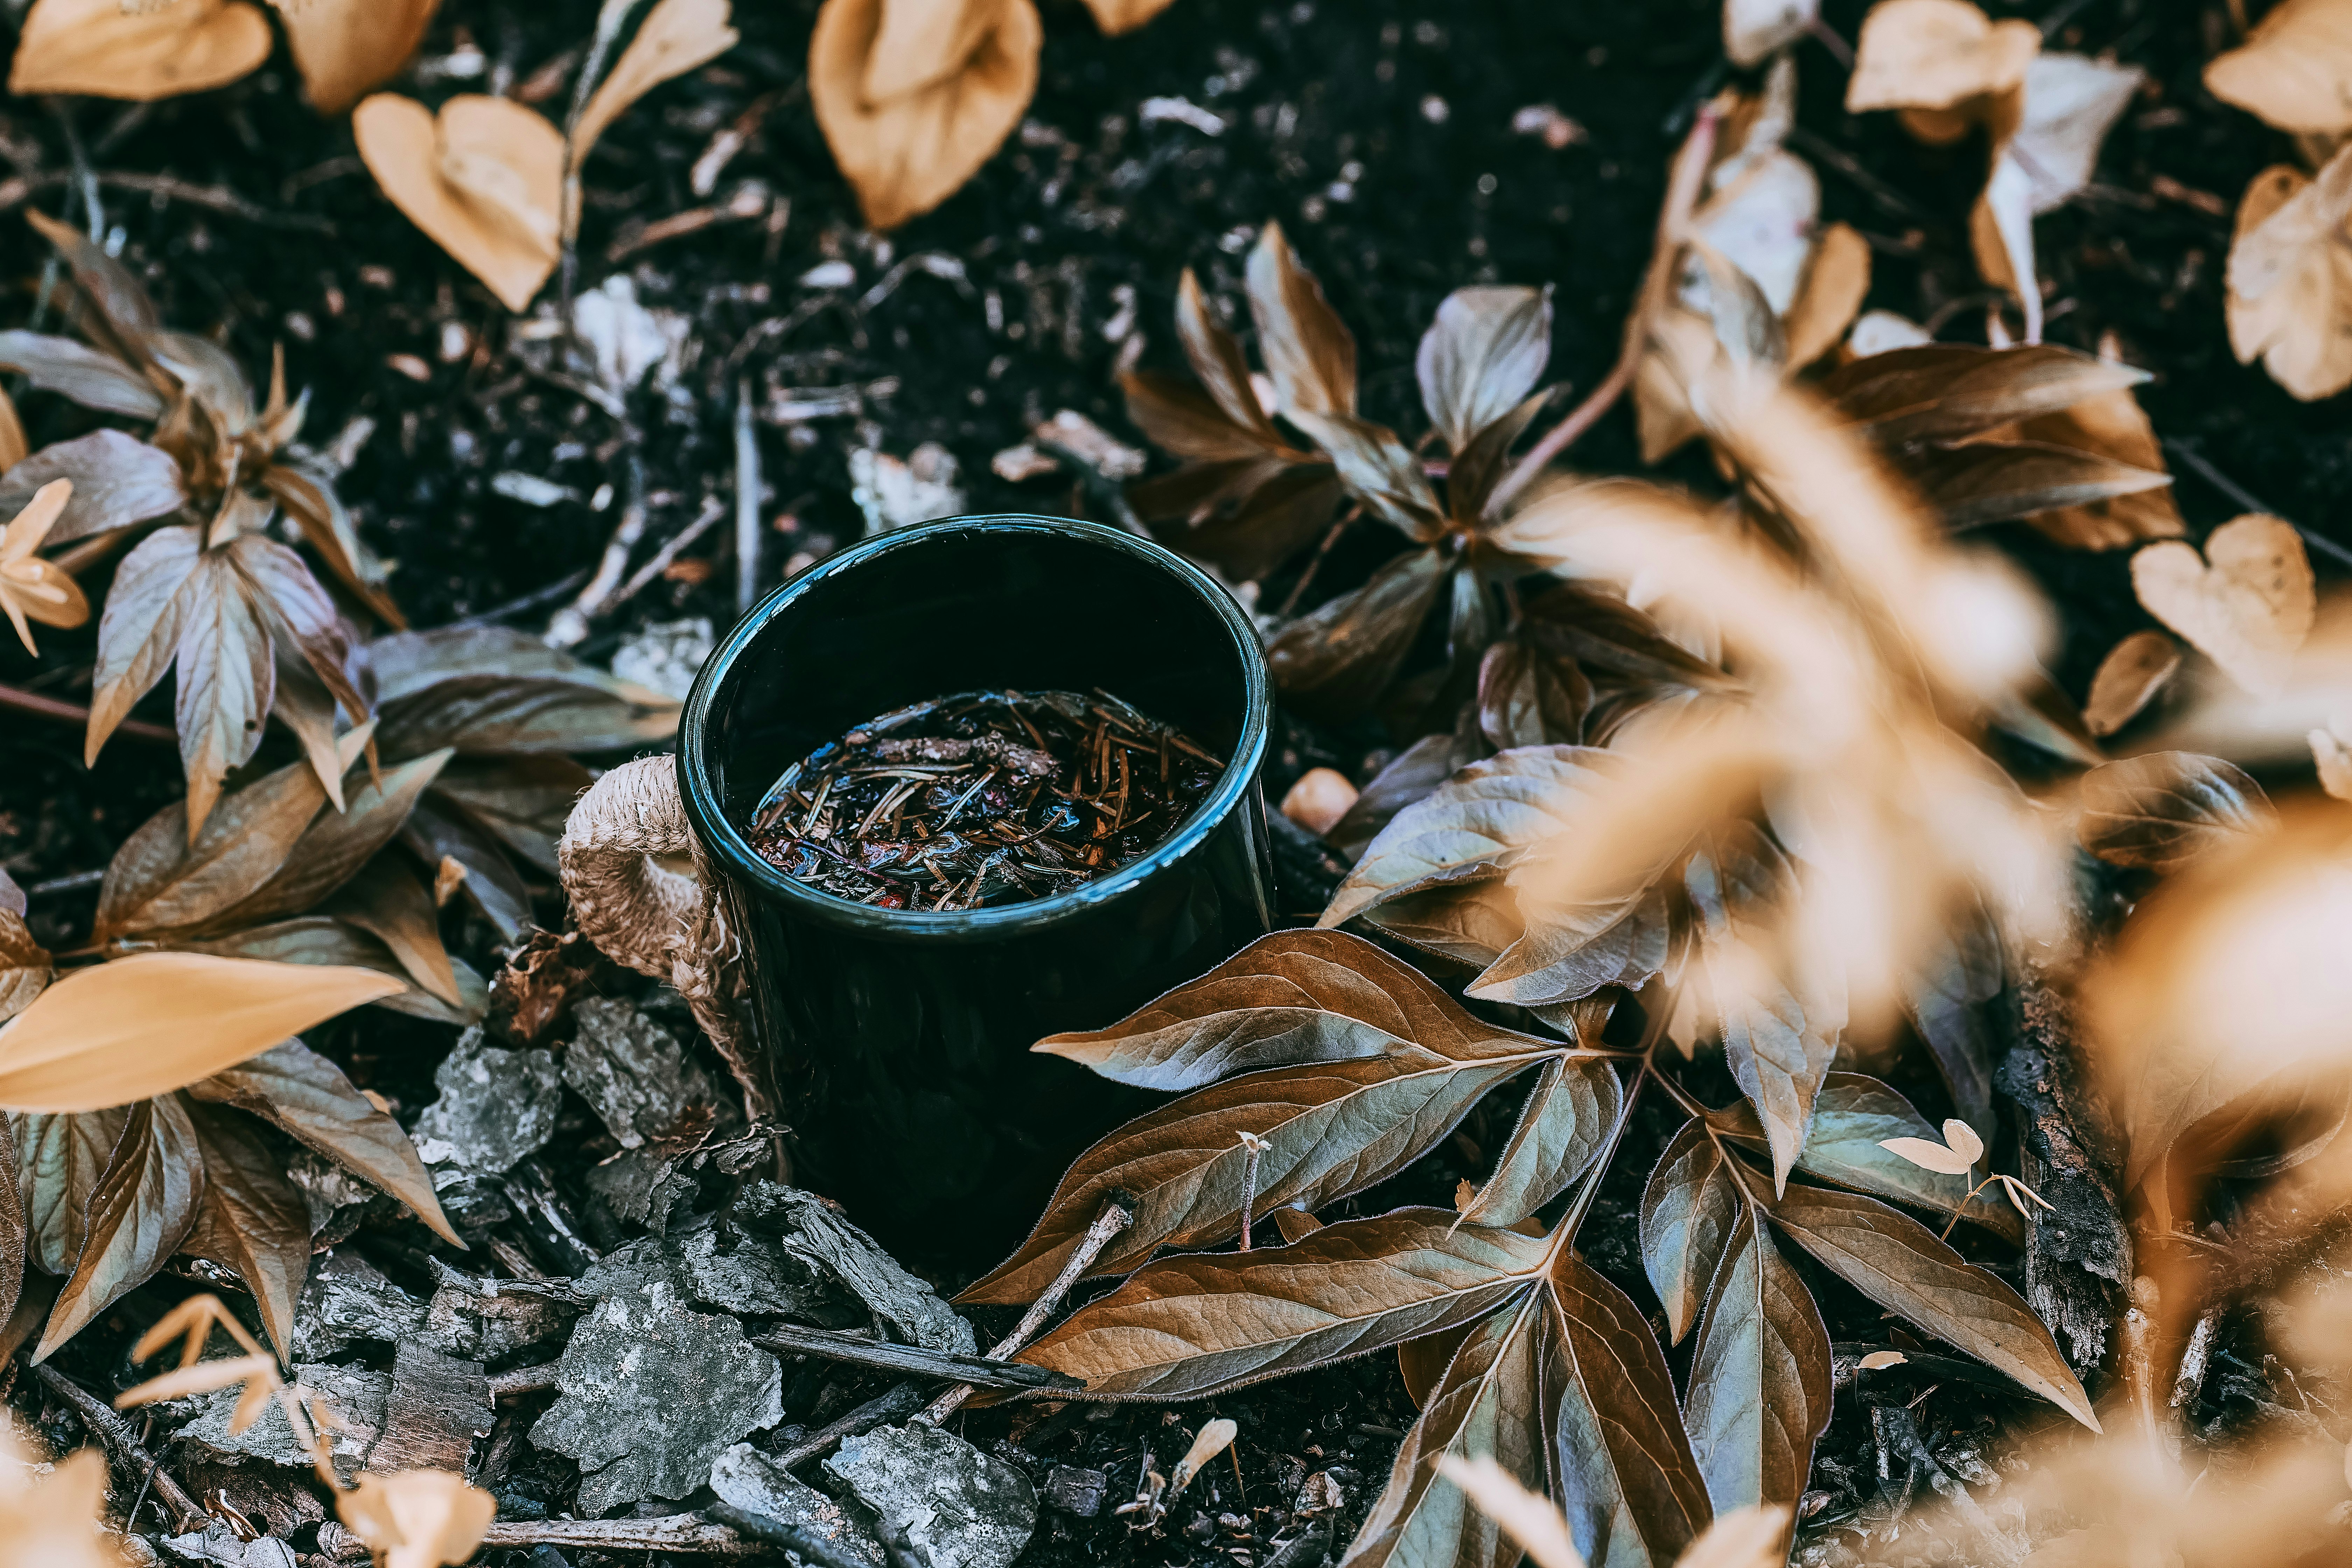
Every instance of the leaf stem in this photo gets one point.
(1683, 186)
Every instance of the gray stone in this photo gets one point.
(641, 1186)
(807, 1228)
(753, 1278)
(217, 1544)
(334, 1200)
(1076, 1490)
(355, 1397)
(347, 1299)
(474, 1327)
(652, 1394)
(496, 1106)
(752, 1480)
(960, 1508)
(633, 1071)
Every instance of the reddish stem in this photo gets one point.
(40, 707)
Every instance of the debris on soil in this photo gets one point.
(958, 1507)
(440, 1406)
(634, 1073)
(982, 798)
(665, 655)
(496, 1107)
(348, 1299)
(813, 1231)
(753, 1481)
(901, 492)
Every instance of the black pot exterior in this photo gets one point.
(902, 1041)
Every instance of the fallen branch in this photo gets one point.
(115, 1433)
(880, 1411)
(812, 1548)
(912, 1359)
(682, 1532)
(1118, 1214)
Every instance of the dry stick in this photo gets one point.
(41, 706)
(1118, 1214)
(1252, 1147)
(899, 1402)
(569, 624)
(2205, 470)
(115, 1432)
(747, 500)
(712, 510)
(1681, 195)
(611, 17)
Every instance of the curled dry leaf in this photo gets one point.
(2133, 672)
(31, 589)
(2295, 70)
(2247, 604)
(345, 46)
(676, 37)
(484, 180)
(2290, 278)
(2159, 811)
(110, 49)
(154, 1022)
(1936, 55)
(909, 125)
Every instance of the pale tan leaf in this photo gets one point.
(30, 587)
(108, 50)
(484, 181)
(1929, 1155)
(1879, 1361)
(2247, 604)
(1527, 1517)
(155, 1022)
(1751, 1537)
(2334, 759)
(1753, 30)
(1318, 800)
(202, 1378)
(2070, 102)
(345, 46)
(676, 37)
(1936, 54)
(14, 448)
(2000, 234)
(1116, 16)
(1964, 1140)
(417, 1519)
(904, 155)
(2290, 278)
(1309, 354)
(1836, 280)
(2295, 70)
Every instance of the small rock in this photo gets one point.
(809, 1230)
(438, 1406)
(752, 1482)
(346, 1298)
(530, 489)
(898, 494)
(1025, 461)
(1321, 1494)
(959, 1508)
(495, 1107)
(665, 655)
(632, 1071)
(1073, 1491)
(641, 1186)
(217, 1544)
(625, 338)
(1318, 800)
(355, 1397)
(490, 1329)
(753, 1277)
(652, 1395)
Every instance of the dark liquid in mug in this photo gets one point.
(980, 799)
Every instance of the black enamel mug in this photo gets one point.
(901, 1040)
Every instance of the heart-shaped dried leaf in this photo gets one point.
(251, 1219)
(1899, 1264)
(2295, 70)
(308, 1096)
(117, 481)
(2290, 278)
(484, 180)
(1628, 1482)
(158, 880)
(2247, 605)
(155, 1022)
(1287, 1000)
(676, 37)
(140, 1210)
(1759, 1377)
(2162, 810)
(1941, 392)
(1309, 354)
(906, 153)
(1336, 659)
(2133, 672)
(1690, 1209)
(1936, 54)
(1930, 1155)
(58, 1159)
(1485, 818)
(1561, 1132)
(110, 49)
(1481, 356)
(345, 46)
(1327, 1129)
(1484, 1404)
(1201, 1323)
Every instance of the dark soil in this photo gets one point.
(1381, 134)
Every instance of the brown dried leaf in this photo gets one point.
(2162, 810)
(492, 883)
(1943, 392)
(251, 1219)
(1759, 1377)
(1201, 1323)
(1379, 471)
(1837, 280)
(14, 448)
(1561, 1132)
(160, 881)
(1936, 55)
(1690, 1209)
(2295, 70)
(906, 153)
(1481, 357)
(308, 1096)
(2290, 278)
(1116, 16)
(58, 1159)
(1290, 999)
(226, 678)
(25, 967)
(140, 1211)
(308, 497)
(345, 46)
(2133, 672)
(155, 1022)
(1334, 661)
(2110, 424)
(109, 49)
(1899, 1264)
(522, 802)
(385, 899)
(334, 846)
(1993, 481)
(1417, 770)
(1527, 696)
(117, 481)
(676, 36)
(1472, 922)
(2247, 605)
(1309, 353)
(1603, 631)
(139, 634)
(484, 180)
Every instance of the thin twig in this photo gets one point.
(84, 175)
(568, 625)
(713, 509)
(530, 601)
(1118, 1214)
(2229, 487)
(747, 500)
(1683, 188)
(40, 707)
(803, 1543)
(913, 1361)
(115, 1432)
(1252, 1147)
(896, 1405)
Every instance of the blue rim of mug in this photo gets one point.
(727, 844)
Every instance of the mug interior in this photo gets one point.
(1029, 603)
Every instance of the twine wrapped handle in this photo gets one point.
(659, 921)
